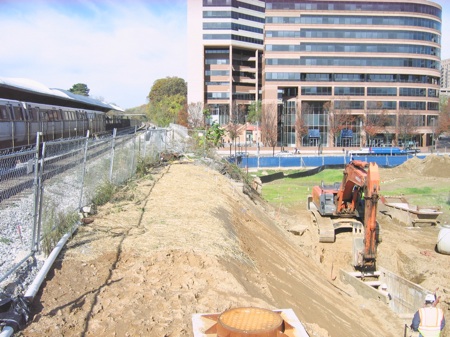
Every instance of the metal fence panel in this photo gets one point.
(17, 209)
(62, 172)
(43, 189)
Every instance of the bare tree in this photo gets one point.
(196, 117)
(375, 121)
(239, 113)
(233, 130)
(407, 124)
(338, 118)
(443, 122)
(269, 125)
(301, 127)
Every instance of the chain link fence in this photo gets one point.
(43, 190)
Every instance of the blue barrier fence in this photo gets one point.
(314, 161)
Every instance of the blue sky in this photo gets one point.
(117, 47)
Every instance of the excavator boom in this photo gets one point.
(371, 197)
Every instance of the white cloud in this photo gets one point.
(117, 48)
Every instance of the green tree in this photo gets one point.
(215, 134)
(167, 101)
(167, 110)
(254, 112)
(80, 89)
(169, 86)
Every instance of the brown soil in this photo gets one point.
(190, 241)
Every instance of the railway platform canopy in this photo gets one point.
(23, 89)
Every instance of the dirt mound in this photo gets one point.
(432, 165)
(190, 240)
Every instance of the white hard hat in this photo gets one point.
(430, 298)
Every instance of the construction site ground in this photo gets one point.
(187, 240)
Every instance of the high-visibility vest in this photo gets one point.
(430, 321)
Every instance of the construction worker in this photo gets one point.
(429, 320)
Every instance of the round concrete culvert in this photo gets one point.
(249, 322)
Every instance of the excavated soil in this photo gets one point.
(188, 240)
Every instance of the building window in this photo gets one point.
(218, 95)
(353, 105)
(349, 91)
(433, 106)
(368, 62)
(381, 91)
(381, 78)
(419, 92)
(282, 47)
(283, 62)
(349, 77)
(361, 34)
(273, 76)
(316, 77)
(217, 73)
(433, 93)
(412, 105)
(384, 105)
(371, 6)
(316, 91)
(360, 20)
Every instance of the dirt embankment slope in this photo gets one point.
(190, 241)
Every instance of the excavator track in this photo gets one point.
(326, 226)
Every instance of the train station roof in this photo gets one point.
(22, 89)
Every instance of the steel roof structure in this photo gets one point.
(22, 89)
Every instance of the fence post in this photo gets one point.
(133, 158)
(36, 193)
(84, 169)
(112, 155)
(41, 198)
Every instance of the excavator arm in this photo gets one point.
(360, 185)
(371, 197)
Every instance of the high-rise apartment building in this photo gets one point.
(445, 77)
(334, 73)
(225, 53)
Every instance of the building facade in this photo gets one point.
(445, 77)
(334, 73)
(226, 43)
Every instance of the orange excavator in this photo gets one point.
(351, 204)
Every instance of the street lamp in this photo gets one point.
(282, 141)
(433, 129)
(235, 156)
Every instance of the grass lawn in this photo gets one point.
(289, 192)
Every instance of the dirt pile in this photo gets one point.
(432, 165)
(190, 241)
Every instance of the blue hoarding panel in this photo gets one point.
(316, 161)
